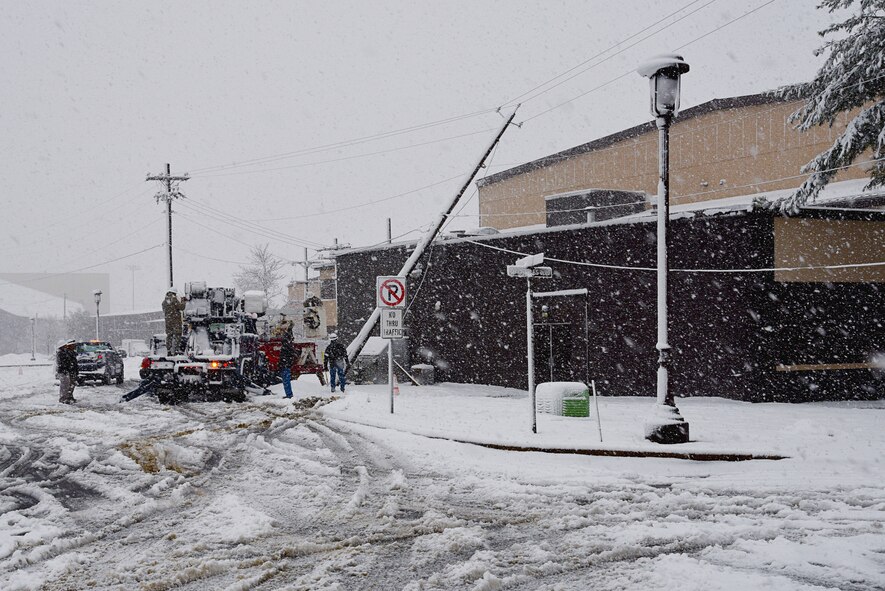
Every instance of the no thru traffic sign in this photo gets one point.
(391, 323)
(391, 292)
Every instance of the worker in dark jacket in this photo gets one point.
(67, 369)
(335, 361)
(173, 306)
(287, 358)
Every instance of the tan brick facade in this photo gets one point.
(720, 149)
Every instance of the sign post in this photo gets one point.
(390, 292)
(528, 267)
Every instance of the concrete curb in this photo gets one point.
(611, 453)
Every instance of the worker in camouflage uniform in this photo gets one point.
(66, 368)
(173, 306)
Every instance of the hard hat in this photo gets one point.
(172, 290)
(333, 336)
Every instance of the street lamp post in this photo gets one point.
(97, 294)
(34, 337)
(666, 424)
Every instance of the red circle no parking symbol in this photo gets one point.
(392, 292)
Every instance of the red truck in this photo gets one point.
(306, 359)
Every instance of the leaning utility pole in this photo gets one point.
(357, 344)
(168, 196)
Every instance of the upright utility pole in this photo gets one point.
(167, 179)
(133, 269)
(306, 268)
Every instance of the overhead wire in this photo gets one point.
(68, 272)
(590, 67)
(632, 71)
(344, 158)
(106, 245)
(531, 94)
(359, 205)
(202, 256)
(633, 268)
(231, 238)
(344, 143)
(213, 212)
(69, 219)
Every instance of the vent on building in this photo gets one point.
(592, 205)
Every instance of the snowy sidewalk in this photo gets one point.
(719, 428)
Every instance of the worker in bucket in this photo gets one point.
(335, 361)
(173, 306)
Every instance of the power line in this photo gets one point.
(534, 96)
(205, 210)
(69, 219)
(344, 158)
(105, 245)
(202, 256)
(214, 231)
(126, 256)
(344, 143)
(359, 205)
(629, 268)
(628, 73)
(385, 135)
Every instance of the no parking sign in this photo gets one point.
(391, 296)
(391, 292)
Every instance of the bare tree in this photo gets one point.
(263, 271)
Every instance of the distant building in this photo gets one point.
(67, 289)
(322, 284)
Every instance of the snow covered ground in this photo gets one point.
(274, 494)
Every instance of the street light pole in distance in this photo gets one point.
(97, 295)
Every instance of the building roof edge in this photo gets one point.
(735, 102)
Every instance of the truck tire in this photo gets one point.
(234, 396)
(165, 397)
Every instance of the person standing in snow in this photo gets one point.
(67, 370)
(287, 357)
(173, 306)
(335, 361)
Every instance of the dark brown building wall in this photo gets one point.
(729, 331)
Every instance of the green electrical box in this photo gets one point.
(576, 406)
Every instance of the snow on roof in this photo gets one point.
(133, 312)
(832, 193)
(24, 301)
(374, 346)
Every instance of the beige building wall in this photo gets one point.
(298, 291)
(724, 153)
(829, 243)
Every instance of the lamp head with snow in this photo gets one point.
(664, 73)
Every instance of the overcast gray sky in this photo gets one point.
(244, 96)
